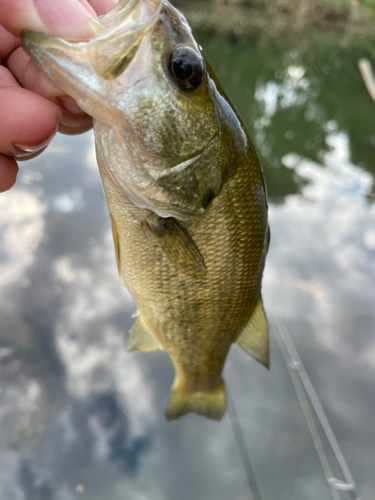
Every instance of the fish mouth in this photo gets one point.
(117, 37)
(119, 33)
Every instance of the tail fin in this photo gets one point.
(211, 404)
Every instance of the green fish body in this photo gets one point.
(184, 188)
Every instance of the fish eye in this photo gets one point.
(186, 67)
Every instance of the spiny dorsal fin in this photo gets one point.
(210, 404)
(116, 242)
(178, 246)
(140, 339)
(253, 339)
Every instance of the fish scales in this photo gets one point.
(184, 189)
(193, 327)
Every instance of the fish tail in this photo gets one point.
(211, 404)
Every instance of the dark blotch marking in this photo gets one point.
(208, 197)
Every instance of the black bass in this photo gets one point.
(184, 188)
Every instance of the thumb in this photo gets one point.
(65, 18)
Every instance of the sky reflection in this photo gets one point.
(76, 409)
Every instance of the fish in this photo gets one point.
(184, 188)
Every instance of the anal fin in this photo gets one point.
(253, 339)
(178, 246)
(140, 339)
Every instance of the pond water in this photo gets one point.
(82, 419)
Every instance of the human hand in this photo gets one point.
(32, 108)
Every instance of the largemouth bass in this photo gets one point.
(184, 188)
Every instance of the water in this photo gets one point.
(82, 419)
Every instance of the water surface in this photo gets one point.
(82, 419)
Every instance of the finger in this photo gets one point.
(31, 121)
(30, 77)
(8, 172)
(7, 79)
(73, 120)
(101, 7)
(68, 18)
(8, 43)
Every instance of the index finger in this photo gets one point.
(8, 43)
(67, 18)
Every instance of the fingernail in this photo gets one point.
(68, 18)
(20, 150)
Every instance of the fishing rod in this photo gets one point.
(304, 389)
(240, 440)
(295, 366)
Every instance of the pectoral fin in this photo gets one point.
(253, 339)
(140, 339)
(178, 246)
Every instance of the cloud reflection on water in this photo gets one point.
(75, 408)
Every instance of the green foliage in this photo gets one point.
(304, 11)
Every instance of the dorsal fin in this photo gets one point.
(253, 338)
(140, 339)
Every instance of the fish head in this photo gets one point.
(165, 131)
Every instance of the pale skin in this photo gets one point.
(32, 109)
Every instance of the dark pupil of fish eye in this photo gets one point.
(182, 69)
(186, 68)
